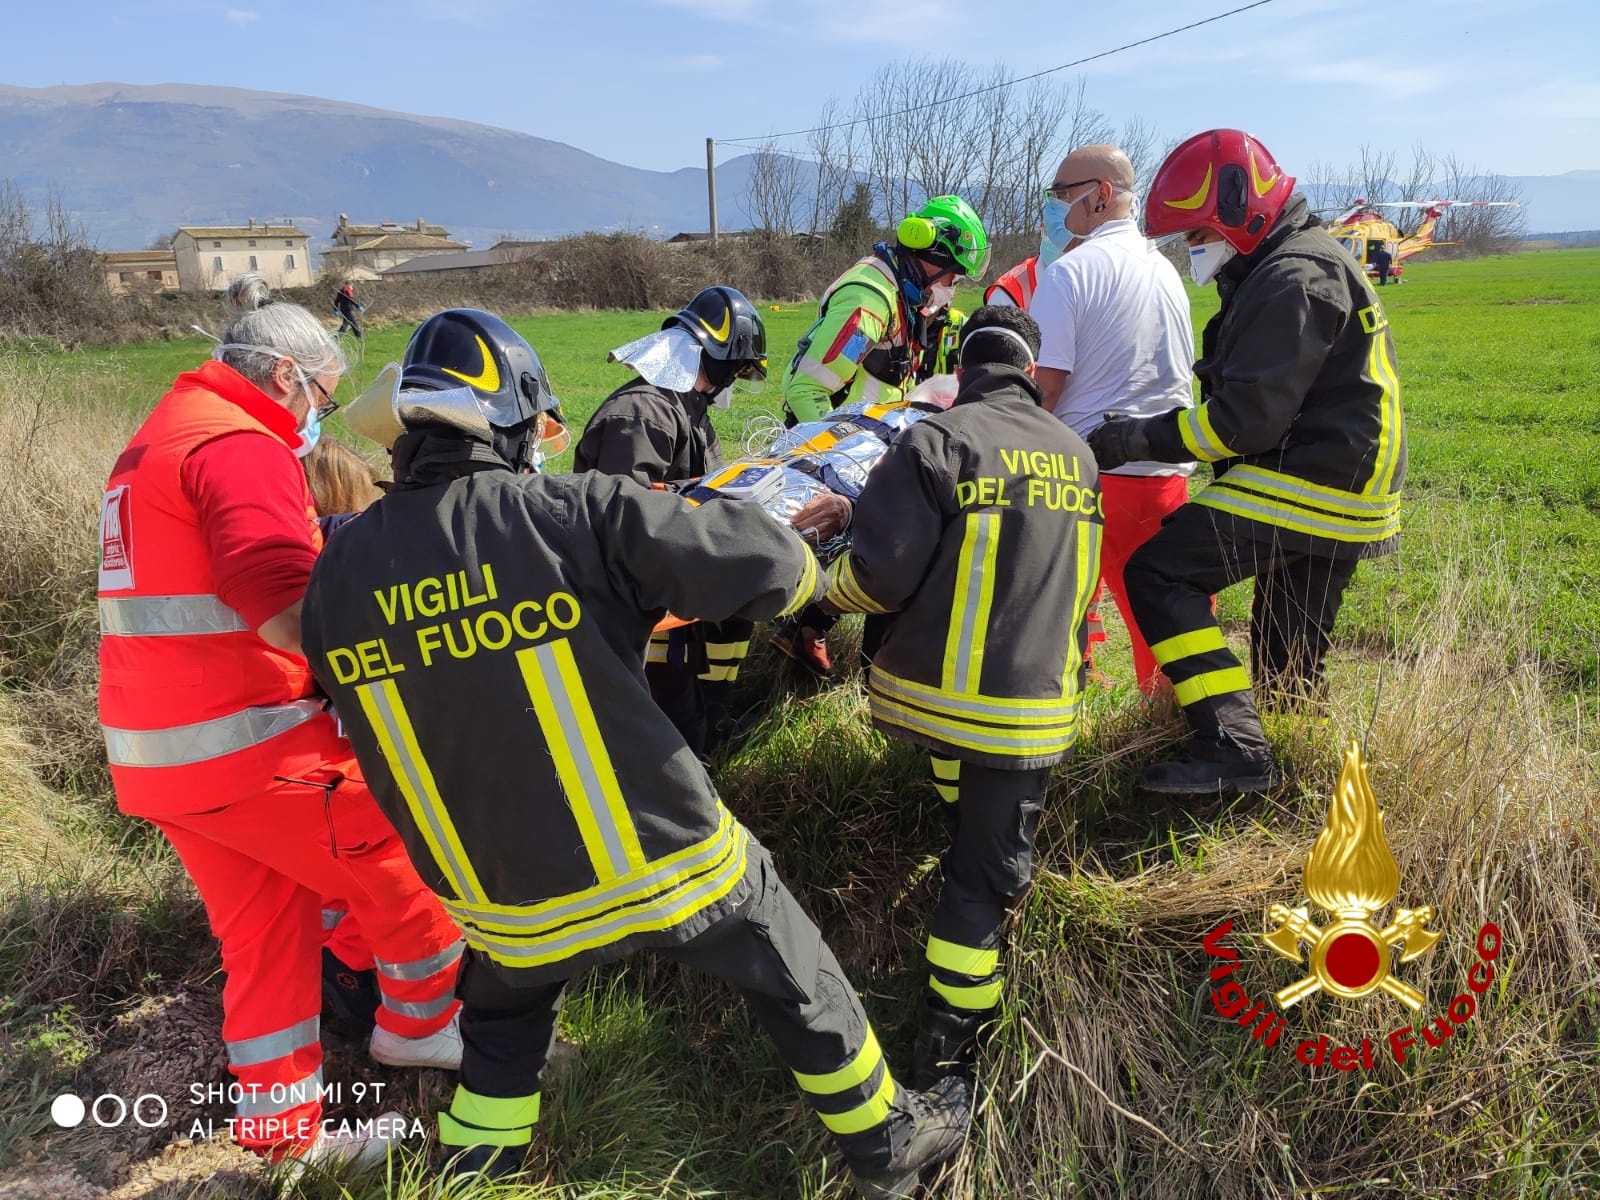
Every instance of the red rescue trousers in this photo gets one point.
(262, 859)
(1135, 506)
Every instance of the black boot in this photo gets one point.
(487, 1163)
(938, 1119)
(1228, 752)
(947, 1044)
(350, 997)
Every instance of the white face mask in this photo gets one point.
(1205, 261)
(938, 297)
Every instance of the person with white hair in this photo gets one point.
(215, 732)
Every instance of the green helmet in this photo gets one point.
(946, 228)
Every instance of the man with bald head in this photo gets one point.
(1117, 338)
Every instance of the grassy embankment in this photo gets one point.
(1467, 663)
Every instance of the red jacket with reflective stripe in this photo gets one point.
(152, 546)
(1019, 283)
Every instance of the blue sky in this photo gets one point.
(1513, 87)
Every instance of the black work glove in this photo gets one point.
(1119, 439)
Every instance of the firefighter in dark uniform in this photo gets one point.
(980, 530)
(481, 630)
(1300, 415)
(657, 428)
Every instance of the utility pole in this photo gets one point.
(711, 183)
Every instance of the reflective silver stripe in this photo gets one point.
(972, 602)
(331, 918)
(581, 761)
(420, 968)
(996, 710)
(252, 1052)
(184, 744)
(164, 616)
(288, 1095)
(647, 887)
(419, 1010)
(667, 911)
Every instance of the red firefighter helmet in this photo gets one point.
(1222, 179)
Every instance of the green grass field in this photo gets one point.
(1467, 664)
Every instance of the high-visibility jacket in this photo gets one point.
(187, 690)
(1016, 285)
(859, 347)
(1300, 398)
(980, 529)
(482, 635)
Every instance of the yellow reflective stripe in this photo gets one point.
(974, 999)
(727, 651)
(1380, 366)
(454, 1133)
(1221, 682)
(950, 793)
(864, 1116)
(1200, 436)
(397, 741)
(845, 591)
(662, 876)
(983, 738)
(1003, 710)
(946, 769)
(716, 674)
(1285, 516)
(492, 1112)
(662, 912)
(974, 593)
(806, 588)
(1291, 488)
(853, 1074)
(566, 717)
(1186, 645)
(963, 960)
(1088, 537)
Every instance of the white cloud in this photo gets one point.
(243, 16)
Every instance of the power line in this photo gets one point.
(757, 142)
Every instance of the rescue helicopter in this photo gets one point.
(1367, 234)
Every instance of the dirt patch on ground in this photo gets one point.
(165, 1048)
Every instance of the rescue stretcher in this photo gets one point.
(833, 454)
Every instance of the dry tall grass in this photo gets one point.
(1111, 1074)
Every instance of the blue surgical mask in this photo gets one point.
(1055, 224)
(309, 433)
(312, 429)
(1047, 251)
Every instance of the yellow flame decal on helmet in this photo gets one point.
(720, 333)
(486, 380)
(1262, 186)
(1196, 200)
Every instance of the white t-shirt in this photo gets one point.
(1113, 312)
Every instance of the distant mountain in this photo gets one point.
(1560, 203)
(133, 163)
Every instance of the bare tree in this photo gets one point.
(772, 196)
(834, 149)
(1483, 230)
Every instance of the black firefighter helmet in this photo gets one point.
(469, 347)
(733, 341)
